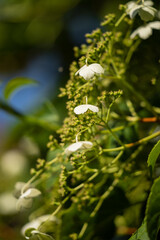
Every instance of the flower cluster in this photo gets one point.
(146, 13)
(87, 72)
(144, 9)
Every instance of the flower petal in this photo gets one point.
(155, 25)
(80, 69)
(81, 109)
(147, 13)
(73, 147)
(132, 9)
(96, 68)
(134, 33)
(31, 193)
(78, 146)
(145, 32)
(17, 189)
(24, 203)
(37, 222)
(84, 107)
(148, 3)
(86, 73)
(93, 108)
(86, 144)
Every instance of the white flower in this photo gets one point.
(146, 31)
(34, 225)
(88, 71)
(84, 107)
(144, 9)
(25, 200)
(80, 145)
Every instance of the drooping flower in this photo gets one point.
(33, 228)
(144, 9)
(146, 31)
(88, 71)
(84, 107)
(25, 199)
(79, 145)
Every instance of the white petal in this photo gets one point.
(84, 107)
(77, 146)
(155, 25)
(81, 69)
(147, 13)
(132, 9)
(86, 144)
(148, 3)
(23, 203)
(81, 109)
(37, 222)
(145, 32)
(73, 147)
(86, 73)
(31, 193)
(17, 189)
(93, 108)
(134, 34)
(96, 68)
(131, 5)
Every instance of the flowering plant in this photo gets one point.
(98, 182)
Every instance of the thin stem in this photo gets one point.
(132, 50)
(60, 206)
(120, 19)
(139, 96)
(28, 119)
(85, 225)
(129, 145)
(102, 198)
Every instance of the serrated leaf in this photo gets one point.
(16, 83)
(152, 158)
(141, 233)
(153, 210)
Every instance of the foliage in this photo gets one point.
(96, 169)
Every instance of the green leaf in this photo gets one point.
(141, 233)
(153, 210)
(16, 83)
(154, 155)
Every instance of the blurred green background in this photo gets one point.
(36, 41)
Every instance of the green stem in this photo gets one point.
(11, 110)
(120, 19)
(129, 145)
(28, 119)
(139, 96)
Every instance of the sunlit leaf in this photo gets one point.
(154, 155)
(141, 233)
(16, 83)
(153, 210)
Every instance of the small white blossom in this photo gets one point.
(146, 31)
(84, 107)
(144, 9)
(80, 145)
(26, 198)
(34, 226)
(88, 71)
